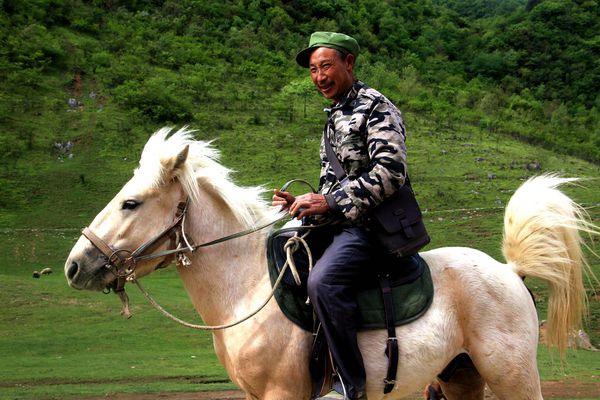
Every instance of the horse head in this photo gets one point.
(139, 219)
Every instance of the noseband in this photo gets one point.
(122, 263)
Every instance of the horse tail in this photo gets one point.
(542, 239)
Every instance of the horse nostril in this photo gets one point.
(72, 271)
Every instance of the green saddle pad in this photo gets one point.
(411, 300)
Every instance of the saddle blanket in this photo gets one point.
(410, 279)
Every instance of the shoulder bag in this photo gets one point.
(397, 222)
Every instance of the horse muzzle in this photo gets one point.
(85, 268)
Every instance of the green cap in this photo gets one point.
(339, 41)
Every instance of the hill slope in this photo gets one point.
(83, 85)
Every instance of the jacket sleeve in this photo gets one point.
(386, 172)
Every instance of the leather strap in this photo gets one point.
(320, 365)
(332, 158)
(181, 209)
(96, 241)
(391, 350)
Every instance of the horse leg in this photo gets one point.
(464, 384)
(520, 382)
(510, 370)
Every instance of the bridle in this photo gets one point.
(122, 263)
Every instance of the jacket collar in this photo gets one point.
(349, 96)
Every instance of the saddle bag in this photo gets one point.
(398, 223)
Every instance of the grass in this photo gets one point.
(59, 343)
(54, 340)
(64, 390)
(580, 365)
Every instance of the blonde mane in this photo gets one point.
(201, 169)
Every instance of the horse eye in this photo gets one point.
(130, 204)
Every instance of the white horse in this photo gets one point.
(481, 307)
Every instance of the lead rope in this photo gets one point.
(291, 246)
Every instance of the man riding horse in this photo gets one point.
(367, 135)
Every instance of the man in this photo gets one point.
(367, 135)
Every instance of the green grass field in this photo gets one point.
(59, 343)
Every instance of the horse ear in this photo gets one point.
(181, 158)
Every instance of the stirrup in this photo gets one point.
(333, 395)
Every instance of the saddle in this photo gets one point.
(400, 291)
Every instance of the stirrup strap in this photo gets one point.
(391, 350)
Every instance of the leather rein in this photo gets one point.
(123, 262)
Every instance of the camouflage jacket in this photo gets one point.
(367, 134)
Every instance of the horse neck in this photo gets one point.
(229, 278)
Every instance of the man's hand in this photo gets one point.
(301, 206)
(309, 204)
(283, 200)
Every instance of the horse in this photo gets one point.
(480, 307)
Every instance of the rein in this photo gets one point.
(123, 262)
(290, 247)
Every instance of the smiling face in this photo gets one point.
(331, 72)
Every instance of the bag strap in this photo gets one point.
(332, 158)
(335, 163)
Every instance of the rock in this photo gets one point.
(577, 339)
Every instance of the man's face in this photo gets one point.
(331, 74)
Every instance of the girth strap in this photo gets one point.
(391, 350)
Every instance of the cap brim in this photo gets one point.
(303, 57)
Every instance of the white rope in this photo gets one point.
(290, 249)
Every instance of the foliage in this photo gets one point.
(554, 48)
(165, 62)
(103, 74)
(482, 8)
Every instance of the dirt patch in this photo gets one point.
(550, 389)
(571, 390)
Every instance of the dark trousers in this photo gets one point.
(332, 284)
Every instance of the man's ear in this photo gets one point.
(350, 62)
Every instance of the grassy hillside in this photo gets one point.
(478, 123)
(103, 75)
